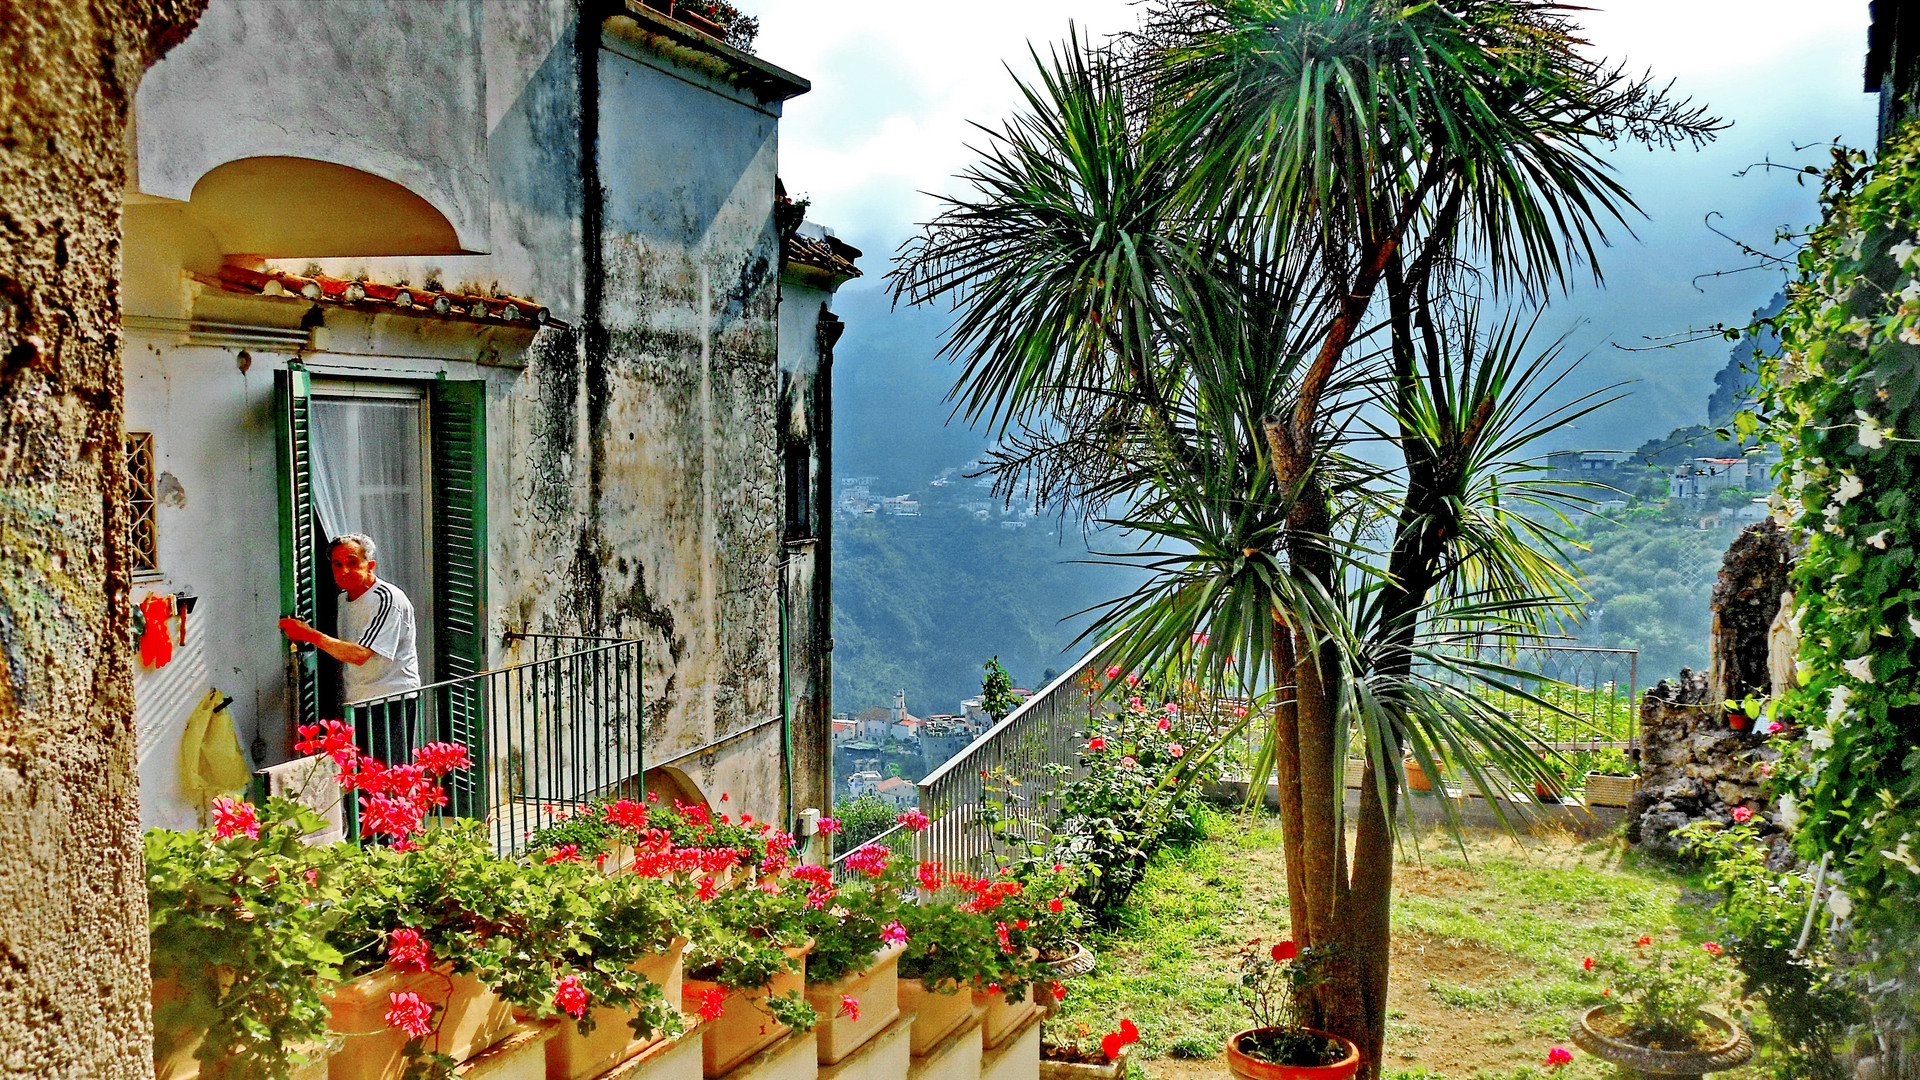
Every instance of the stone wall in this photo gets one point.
(1693, 767)
(73, 927)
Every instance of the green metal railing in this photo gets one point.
(559, 729)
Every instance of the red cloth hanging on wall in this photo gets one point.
(156, 641)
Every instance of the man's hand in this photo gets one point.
(347, 652)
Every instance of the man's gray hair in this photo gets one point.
(359, 540)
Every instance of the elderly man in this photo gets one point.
(375, 647)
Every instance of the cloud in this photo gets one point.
(899, 87)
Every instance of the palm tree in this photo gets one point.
(1163, 276)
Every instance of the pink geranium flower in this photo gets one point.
(893, 934)
(713, 1003)
(850, 1008)
(407, 952)
(1558, 1056)
(407, 1012)
(234, 817)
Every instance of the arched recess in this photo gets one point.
(670, 783)
(302, 208)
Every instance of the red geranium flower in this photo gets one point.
(1284, 951)
(712, 1003)
(570, 997)
(1587, 964)
(406, 952)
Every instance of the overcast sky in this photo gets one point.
(897, 86)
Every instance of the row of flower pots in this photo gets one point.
(626, 922)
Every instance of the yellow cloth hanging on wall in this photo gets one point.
(211, 763)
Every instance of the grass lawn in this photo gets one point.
(1486, 952)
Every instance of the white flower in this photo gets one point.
(1788, 816)
(1837, 706)
(1855, 244)
(1913, 624)
(1878, 540)
(1903, 252)
(1872, 435)
(1849, 489)
(1860, 667)
(1911, 294)
(1910, 334)
(1903, 854)
(1820, 738)
(1839, 903)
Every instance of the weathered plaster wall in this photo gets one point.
(390, 87)
(73, 940)
(634, 464)
(808, 330)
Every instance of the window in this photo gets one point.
(146, 541)
(799, 485)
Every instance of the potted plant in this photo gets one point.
(1417, 778)
(1659, 1022)
(746, 967)
(266, 916)
(1080, 1060)
(1279, 1046)
(951, 949)
(853, 970)
(624, 960)
(1611, 778)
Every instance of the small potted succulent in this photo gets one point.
(1278, 1046)
(1659, 1021)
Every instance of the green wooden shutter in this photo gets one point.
(459, 425)
(299, 542)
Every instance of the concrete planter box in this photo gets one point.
(935, 1015)
(519, 1055)
(956, 1057)
(1003, 1016)
(1051, 1069)
(744, 1027)
(178, 1062)
(1610, 790)
(877, 991)
(677, 1058)
(468, 1018)
(883, 1056)
(573, 1056)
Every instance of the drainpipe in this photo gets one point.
(786, 702)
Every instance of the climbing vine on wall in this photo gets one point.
(1842, 401)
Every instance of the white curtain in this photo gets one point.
(369, 476)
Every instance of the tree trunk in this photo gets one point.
(74, 999)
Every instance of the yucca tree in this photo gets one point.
(1164, 276)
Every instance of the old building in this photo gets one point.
(512, 289)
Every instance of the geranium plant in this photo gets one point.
(1272, 984)
(1660, 989)
(741, 938)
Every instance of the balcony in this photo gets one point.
(561, 728)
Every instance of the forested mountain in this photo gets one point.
(920, 601)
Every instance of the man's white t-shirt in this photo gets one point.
(381, 620)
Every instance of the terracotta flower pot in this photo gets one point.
(1728, 1047)
(1003, 1016)
(573, 1056)
(744, 1027)
(1417, 779)
(935, 1015)
(1250, 1068)
(467, 1019)
(877, 989)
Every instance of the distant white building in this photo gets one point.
(897, 792)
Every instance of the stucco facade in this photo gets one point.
(605, 164)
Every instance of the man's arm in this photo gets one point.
(347, 652)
